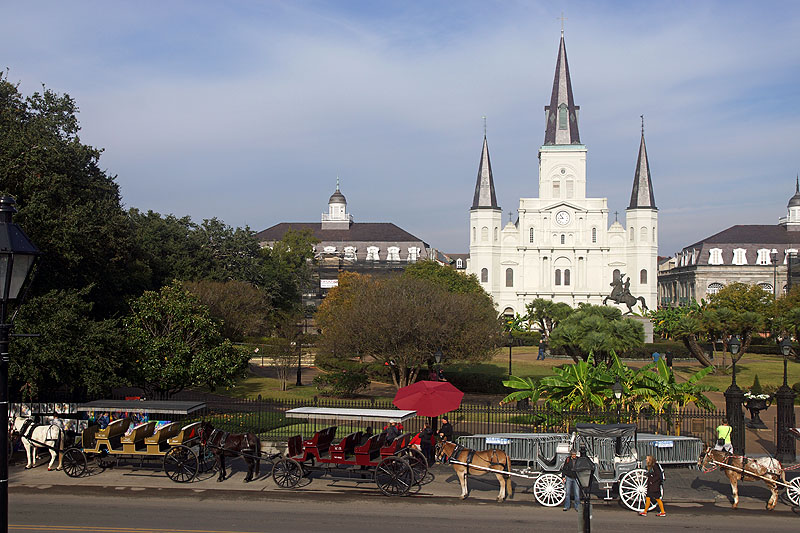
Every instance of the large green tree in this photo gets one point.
(70, 208)
(402, 321)
(241, 308)
(175, 344)
(546, 314)
(597, 330)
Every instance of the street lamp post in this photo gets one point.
(299, 343)
(17, 258)
(784, 397)
(616, 388)
(734, 397)
(510, 343)
(584, 468)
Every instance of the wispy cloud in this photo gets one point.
(248, 111)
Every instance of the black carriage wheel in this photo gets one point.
(287, 473)
(73, 462)
(208, 463)
(417, 461)
(394, 476)
(181, 464)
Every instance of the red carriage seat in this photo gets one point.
(321, 441)
(396, 445)
(345, 447)
(370, 449)
(295, 446)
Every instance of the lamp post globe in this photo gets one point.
(786, 346)
(17, 258)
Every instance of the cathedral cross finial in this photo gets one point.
(562, 18)
(484, 125)
(642, 117)
(510, 216)
(616, 217)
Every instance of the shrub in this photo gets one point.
(342, 384)
(756, 388)
(678, 350)
(526, 338)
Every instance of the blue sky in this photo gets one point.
(248, 111)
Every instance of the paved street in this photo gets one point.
(141, 512)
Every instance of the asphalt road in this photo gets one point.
(218, 512)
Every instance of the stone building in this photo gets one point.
(755, 254)
(561, 246)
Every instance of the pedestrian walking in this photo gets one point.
(668, 357)
(542, 348)
(724, 431)
(570, 477)
(655, 486)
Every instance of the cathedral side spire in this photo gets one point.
(562, 113)
(484, 188)
(642, 193)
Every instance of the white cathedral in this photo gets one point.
(561, 247)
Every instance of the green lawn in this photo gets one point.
(768, 367)
(252, 386)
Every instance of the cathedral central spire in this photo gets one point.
(562, 113)
(642, 194)
(484, 188)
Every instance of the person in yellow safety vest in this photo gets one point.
(724, 431)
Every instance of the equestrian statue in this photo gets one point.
(621, 294)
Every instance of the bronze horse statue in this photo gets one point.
(223, 444)
(769, 470)
(486, 460)
(621, 294)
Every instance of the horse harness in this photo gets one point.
(26, 432)
(470, 455)
(223, 439)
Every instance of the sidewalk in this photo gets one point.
(684, 487)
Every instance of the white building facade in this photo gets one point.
(561, 246)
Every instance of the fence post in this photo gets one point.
(733, 410)
(786, 451)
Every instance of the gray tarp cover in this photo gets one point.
(606, 430)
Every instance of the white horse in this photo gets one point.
(39, 436)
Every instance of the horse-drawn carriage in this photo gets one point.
(395, 466)
(174, 444)
(612, 449)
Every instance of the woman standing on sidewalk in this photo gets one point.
(655, 484)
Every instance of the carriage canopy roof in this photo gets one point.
(142, 406)
(366, 415)
(606, 430)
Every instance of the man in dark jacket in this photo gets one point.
(392, 432)
(446, 430)
(425, 442)
(573, 490)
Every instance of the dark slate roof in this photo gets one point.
(642, 192)
(752, 234)
(358, 232)
(562, 94)
(484, 187)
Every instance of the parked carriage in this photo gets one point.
(396, 467)
(612, 449)
(175, 445)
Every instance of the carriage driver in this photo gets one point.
(724, 431)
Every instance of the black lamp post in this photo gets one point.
(734, 397)
(784, 397)
(616, 388)
(17, 257)
(299, 343)
(774, 257)
(584, 468)
(510, 343)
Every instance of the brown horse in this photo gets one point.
(222, 444)
(767, 467)
(491, 459)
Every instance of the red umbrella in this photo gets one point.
(429, 398)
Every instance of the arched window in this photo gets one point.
(530, 238)
(459, 264)
(563, 238)
(654, 234)
(643, 234)
(714, 288)
(570, 188)
(566, 276)
(643, 276)
(495, 234)
(509, 277)
(594, 235)
(562, 117)
(558, 276)
(556, 189)
(484, 275)
(484, 234)
(766, 286)
(473, 233)
(630, 230)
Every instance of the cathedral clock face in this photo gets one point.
(562, 218)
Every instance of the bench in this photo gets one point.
(134, 440)
(321, 441)
(368, 451)
(186, 434)
(89, 437)
(156, 443)
(111, 435)
(396, 445)
(295, 446)
(345, 447)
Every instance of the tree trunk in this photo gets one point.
(696, 350)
